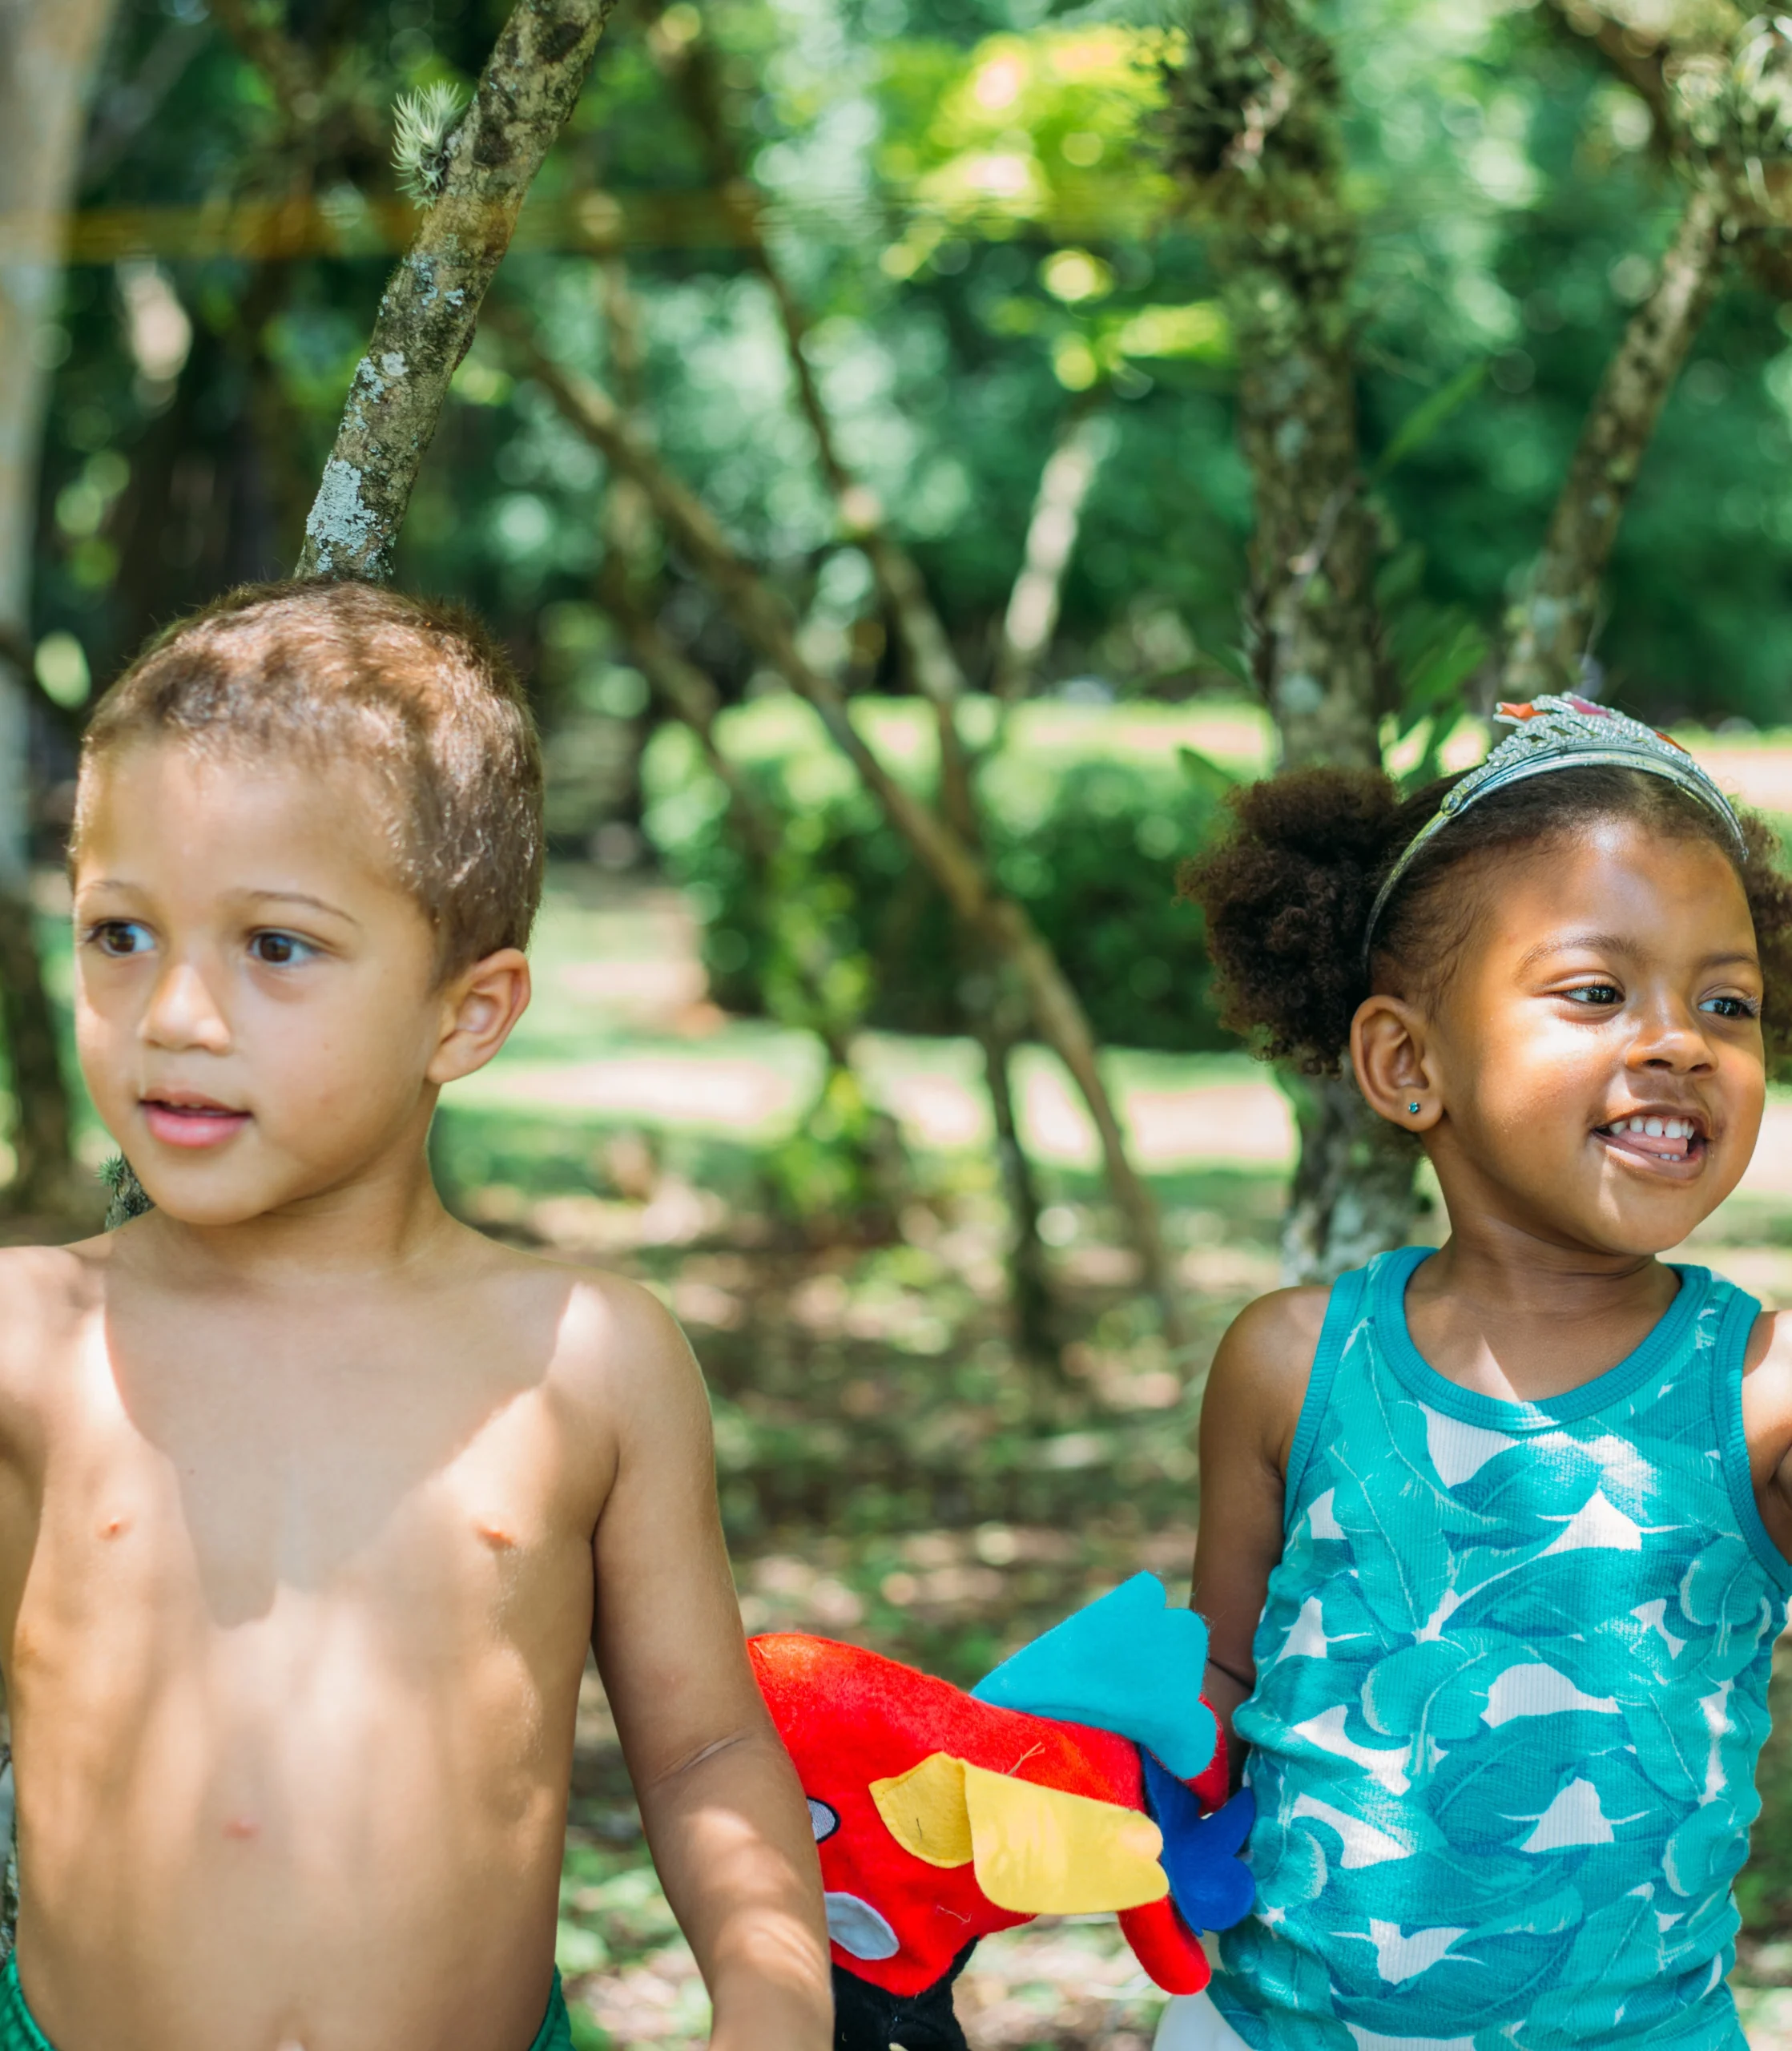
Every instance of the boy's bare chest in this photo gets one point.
(311, 1499)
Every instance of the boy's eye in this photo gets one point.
(280, 950)
(1732, 1007)
(120, 937)
(1595, 993)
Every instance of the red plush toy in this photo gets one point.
(940, 1818)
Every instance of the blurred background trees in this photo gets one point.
(962, 358)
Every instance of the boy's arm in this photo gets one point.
(1248, 1416)
(725, 1818)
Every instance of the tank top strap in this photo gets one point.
(1732, 1312)
(1347, 1312)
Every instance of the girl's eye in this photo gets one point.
(280, 950)
(1595, 993)
(1732, 1007)
(120, 938)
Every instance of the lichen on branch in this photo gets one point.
(431, 305)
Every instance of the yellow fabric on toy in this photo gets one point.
(1036, 1851)
(924, 1809)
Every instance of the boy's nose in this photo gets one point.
(182, 1014)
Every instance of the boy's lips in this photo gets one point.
(183, 1118)
(1657, 1136)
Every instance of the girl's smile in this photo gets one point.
(1656, 1137)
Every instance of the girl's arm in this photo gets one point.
(1248, 1416)
(1767, 1422)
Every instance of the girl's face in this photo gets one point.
(1592, 1071)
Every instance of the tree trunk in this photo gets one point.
(1355, 1173)
(48, 51)
(1256, 129)
(1552, 626)
(431, 305)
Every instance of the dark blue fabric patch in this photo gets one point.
(1210, 1885)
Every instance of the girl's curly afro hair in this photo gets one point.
(1286, 891)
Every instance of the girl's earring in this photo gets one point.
(1414, 1109)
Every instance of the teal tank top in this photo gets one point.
(1512, 1682)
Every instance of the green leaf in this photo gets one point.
(1428, 415)
(1208, 776)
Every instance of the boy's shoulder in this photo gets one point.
(53, 1282)
(46, 1295)
(615, 1343)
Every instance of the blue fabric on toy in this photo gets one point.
(1210, 1885)
(1127, 1664)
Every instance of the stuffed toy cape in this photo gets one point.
(1084, 1774)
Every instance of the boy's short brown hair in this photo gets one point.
(417, 691)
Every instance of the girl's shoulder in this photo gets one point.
(1260, 1370)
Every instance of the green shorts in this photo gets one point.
(19, 2032)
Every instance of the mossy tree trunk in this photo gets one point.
(1256, 133)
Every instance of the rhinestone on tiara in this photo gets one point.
(1567, 732)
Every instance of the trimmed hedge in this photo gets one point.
(1088, 811)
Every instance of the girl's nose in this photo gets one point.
(182, 1013)
(1671, 1037)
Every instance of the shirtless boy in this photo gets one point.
(311, 1499)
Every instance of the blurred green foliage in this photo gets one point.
(1088, 813)
(968, 197)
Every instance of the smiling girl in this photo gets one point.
(1493, 1537)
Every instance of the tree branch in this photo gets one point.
(955, 866)
(691, 698)
(1031, 619)
(1551, 627)
(625, 586)
(1640, 62)
(286, 65)
(431, 306)
(690, 64)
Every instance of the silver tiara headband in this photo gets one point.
(1561, 733)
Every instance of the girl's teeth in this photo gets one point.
(1655, 1128)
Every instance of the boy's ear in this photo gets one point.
(1393, 1069)
(479, 1007)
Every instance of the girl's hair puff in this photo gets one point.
(1286, 891)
